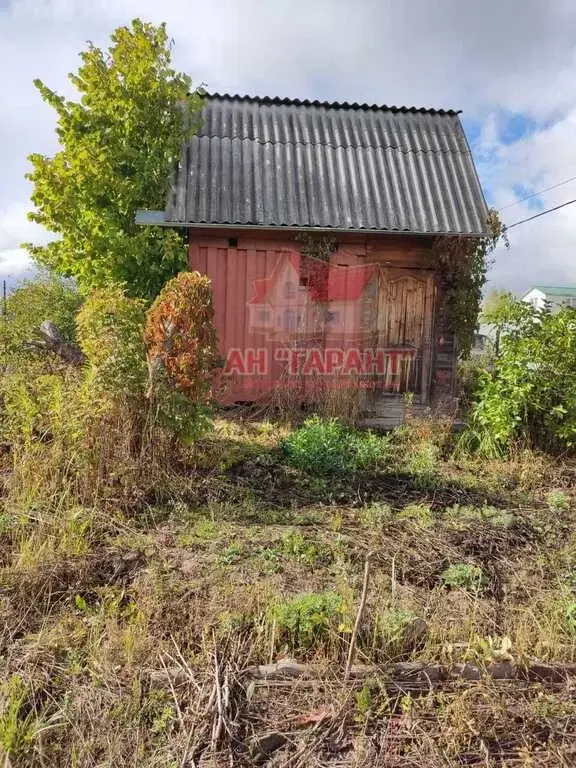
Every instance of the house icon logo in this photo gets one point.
(317, 320)
(305, 298)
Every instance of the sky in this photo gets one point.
(509, 66)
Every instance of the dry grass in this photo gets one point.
(126, 629)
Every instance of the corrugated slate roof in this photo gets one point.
(288, 163)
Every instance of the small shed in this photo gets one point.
(316, 223)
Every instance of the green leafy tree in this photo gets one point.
(495, 305)
(497, 309)
(531, 395)
(119, 143)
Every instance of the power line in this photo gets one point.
(542, 213)
(540, 192)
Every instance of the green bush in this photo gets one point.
(326, 446)
(531, 395)
(94, 427)
(110, 329)
(469, 376)
(35, 301)
(464, 576)
(33, 382)
(558, 501)
(37, 407)
(399, 631)
(308, 619)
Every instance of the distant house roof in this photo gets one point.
(555, 290)
(287, 163)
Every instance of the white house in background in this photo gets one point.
(484, 339)
(554, 295)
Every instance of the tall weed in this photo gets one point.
(325, 446)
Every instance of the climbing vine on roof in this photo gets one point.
(317, 246)
(463, 264)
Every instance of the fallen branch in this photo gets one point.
(218, 724)
(415, 671)
(352, 647)
(53, 340)
(402, 674)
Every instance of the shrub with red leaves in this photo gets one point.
(180, 335)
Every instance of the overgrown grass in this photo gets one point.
(116, 620)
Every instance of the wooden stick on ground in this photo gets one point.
(352, 647)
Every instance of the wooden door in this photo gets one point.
(405, 307)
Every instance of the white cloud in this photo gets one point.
(542, 250)
(15, 265)
(517, 56)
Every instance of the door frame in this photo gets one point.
(388, 274)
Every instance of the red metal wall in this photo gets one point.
(233, 271)
(239, 263)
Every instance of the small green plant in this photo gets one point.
(163, 721)
(370, 451)
(296, 547)
(419, 513)
(392, 629)
(375, 514)
(326, 446)
(80, 603)
(423, 459)
(206, 529)
(308, 619)
(558, 501)
(492, 648)
(363, 699)
(232, 553)
(231, 623)
(570, 618)
(19, 724)
(465, 576)
(462, 515)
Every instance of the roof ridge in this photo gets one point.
(285, 101)
(376, 147)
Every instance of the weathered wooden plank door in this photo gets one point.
(405, 317)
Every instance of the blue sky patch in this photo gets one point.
(516, 126)
(472, 128)
(535, 203)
